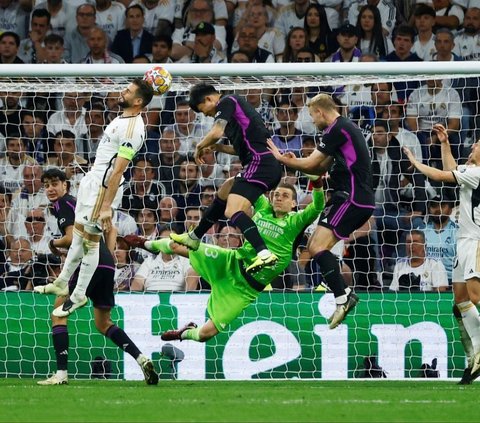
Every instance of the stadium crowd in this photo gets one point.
(412, 233)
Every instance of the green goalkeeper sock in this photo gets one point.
(159, 246)
(192, 334)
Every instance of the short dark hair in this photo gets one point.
(12, 34)
(424, 9)
(65, 134)
(52, 174)
(382, 123)
(41, 13)
(6, 192)
(134, 6)
(53, 39)
(198, 93)
(144, 90)
(405, 31)
(162, 38)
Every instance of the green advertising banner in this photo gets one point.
(282, 335)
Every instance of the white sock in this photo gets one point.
(140, 359)
(465, 339)
(74, 256)
(87, 269)
(62, 374)
(471, 321)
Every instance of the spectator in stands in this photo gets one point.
(467, 41)
(387, 9)
(371, 38)
(35, 225)
(111, 103)
(395, 114)
(320, 38)
(184, 12)
(165, 272)
(204, 50)
(418, 272)
(187, 129)
(403, 42)
(295, 40)
(9, 44)
(10, 113)
(14, 18)
(448, 15)
(67, 159)
(183, 36)
(20, 274)
(168, 210)
(170, 157)
(134, 40)
(62, 14)
(31, 196)
(95, 122)
(287, 137)
(6, 224)
(424, 45)
(187, 187)
(444, 44)
(305, 55)
(207, 196)
(431, 104)
(242, 10)
(54, 49)
(72, 117)
(394, 214)
(255, 97)
(110, 17)
(211, 171)
(240, 56)
(147, 223)
(125, 266)
(294, 14)
(229, 237)
(269, 39)
(193, 216)
(124, 223)
(233, 169)
(159, 16)
(97, 41)
(248, 42)
(365, 115)
(143, 192)
(441, 231)
(76, 45)
(347, 38)
(32, 49)
(13, 164)
(161, 49)
(304, 121)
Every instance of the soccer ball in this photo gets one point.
(159, 78)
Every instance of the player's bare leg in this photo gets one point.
(192, 333)
(471, 319)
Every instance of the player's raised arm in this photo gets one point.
(448, 161)
(315, 164)
(430, 172)
(216, 132)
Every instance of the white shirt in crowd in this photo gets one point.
(163, 275)
(432, 274)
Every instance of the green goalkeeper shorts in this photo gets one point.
(231, 293)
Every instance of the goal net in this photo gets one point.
(400, 264)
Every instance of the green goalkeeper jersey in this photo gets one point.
(279, 233)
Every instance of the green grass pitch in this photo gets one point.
(21, 400)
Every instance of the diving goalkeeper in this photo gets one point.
(233, 289)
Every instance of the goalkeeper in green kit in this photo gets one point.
(233, 289)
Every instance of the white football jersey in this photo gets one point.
(123, 137)
(468, 177)
(163, 275)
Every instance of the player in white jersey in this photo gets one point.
(98, 194)
(466, 272)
